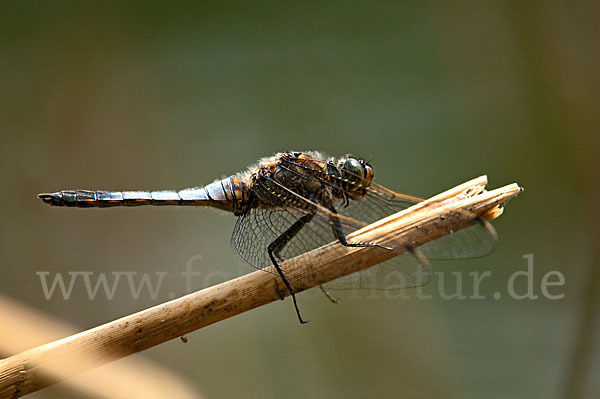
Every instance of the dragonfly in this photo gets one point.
(292, 202)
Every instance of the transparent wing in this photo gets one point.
(472, 242)
(259, 227)
(403, 271)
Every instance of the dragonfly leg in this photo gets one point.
(341, 237)
(276, 246)
(329, 296)
(416, 252)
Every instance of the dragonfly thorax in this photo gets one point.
(282, 183)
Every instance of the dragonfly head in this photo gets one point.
(357, 175)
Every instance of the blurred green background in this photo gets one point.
(157, 95)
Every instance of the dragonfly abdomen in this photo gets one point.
(101, 199)
(229, 194)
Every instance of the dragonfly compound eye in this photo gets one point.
(355, 168)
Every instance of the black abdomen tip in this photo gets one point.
(54, 199)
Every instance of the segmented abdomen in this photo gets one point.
(229, 194)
